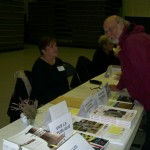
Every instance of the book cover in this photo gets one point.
(96, 142)
(124, 105)
(115, 96)
(84, 125)
(114, 115)
(127, 99)
(121, 101)
(120, 104)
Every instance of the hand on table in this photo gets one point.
(113, 87)
(118, 76)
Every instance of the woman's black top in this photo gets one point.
(48, 81)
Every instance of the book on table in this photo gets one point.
(121, 101)
(116, 96)
(102, 132)
(96, 142)
(120, 104)
(33, 138)
(114, 115)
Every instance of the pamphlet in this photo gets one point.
(110, 132)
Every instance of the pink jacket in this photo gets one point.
(135, 63)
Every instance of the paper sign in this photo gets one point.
(58, 110)
(86, 107)
(102, 96)
(76, 142)
(54, 112)
(107, 90)
(62, 126)
(7, 145)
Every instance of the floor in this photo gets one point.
(138, 141)
(23, 59)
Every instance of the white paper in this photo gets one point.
(25, 139)
(58, 110)
(76, 142)
(86, 107)
(62, 126)
(100, 98)
(54, 112)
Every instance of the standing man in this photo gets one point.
(135, 62)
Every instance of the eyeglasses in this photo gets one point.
(110, 28)
(98, 87)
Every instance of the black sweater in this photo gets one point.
(48, 81)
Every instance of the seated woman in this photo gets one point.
(49, 78)
(103, 57)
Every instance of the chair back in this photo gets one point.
(70, 69)
(82, 69)
(22, 90)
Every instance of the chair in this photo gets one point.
(23, 87)
(82, 69)
(71, 71)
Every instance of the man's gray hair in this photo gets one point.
(119, 19)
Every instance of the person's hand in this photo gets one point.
(116, 50)
(118, 76)
(113, 87)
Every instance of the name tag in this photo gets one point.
(61, 68)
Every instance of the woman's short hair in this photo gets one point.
(45, 41)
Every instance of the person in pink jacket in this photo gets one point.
(135, 62)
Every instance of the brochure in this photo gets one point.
(112, 133)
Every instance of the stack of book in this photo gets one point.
(94, 131)
(114, 115)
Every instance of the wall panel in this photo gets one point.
(71, 22)
(11, 25)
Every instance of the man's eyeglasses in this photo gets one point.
(98, 87)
